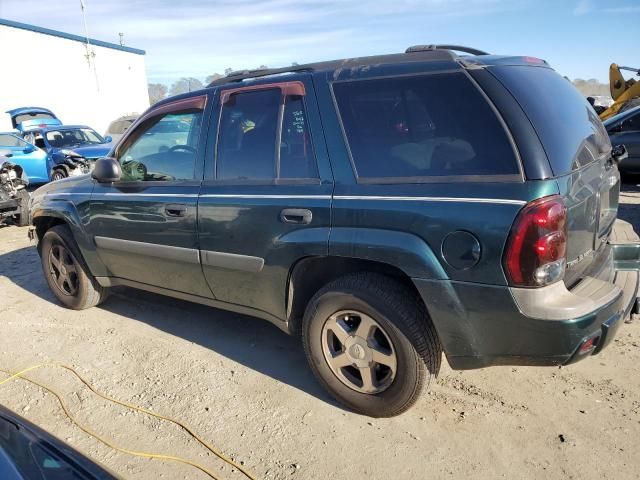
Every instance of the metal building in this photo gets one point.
(84, 81)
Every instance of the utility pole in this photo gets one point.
(90, 53)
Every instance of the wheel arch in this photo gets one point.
(47, 216)
(310, 274)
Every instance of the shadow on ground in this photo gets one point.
(251, 342)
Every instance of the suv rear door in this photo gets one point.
(265, 201)
(579, 151)
(144, 226)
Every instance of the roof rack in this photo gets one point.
(439, 52)
(240, 75)
(457, 48)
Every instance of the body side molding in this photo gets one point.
(180, 254)
(210, 258)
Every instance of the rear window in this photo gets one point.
(570, 130)
(23, 117)
(428, 127)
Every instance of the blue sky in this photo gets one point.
(580, 38)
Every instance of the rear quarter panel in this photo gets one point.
(430, 212)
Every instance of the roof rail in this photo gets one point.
(240, 75)
(457, 48)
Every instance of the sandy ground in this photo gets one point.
(245, 387)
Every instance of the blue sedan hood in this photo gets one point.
(93, 151)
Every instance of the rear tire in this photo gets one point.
(66, 273)
(380, 369)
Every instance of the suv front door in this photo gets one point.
(266, 198)
(144, 226)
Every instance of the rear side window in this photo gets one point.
(569, 128)
(428, 126)
(248, 144)
(296, 152)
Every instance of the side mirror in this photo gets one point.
(106, 170)
(108, 139)
(29, 149)
(619, 153)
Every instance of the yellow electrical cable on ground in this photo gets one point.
(216, 452)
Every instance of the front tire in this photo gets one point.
(22, 219)
(58, 174)
(65, 271)
(371, 344)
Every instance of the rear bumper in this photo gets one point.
(482, 325)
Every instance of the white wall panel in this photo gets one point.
(52, 72)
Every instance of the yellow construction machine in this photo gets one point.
(625, 93)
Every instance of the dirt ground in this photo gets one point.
(245, 387)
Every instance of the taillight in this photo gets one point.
(536, 249)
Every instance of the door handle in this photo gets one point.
(175, 210)
(296, 215)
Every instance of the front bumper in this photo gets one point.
(483, 325)
(8, 206)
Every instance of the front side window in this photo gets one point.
(162, 148)
(423, 126)
(8, 140)
(248, 144)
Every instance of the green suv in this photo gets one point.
(385, 209)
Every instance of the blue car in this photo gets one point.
(70, 148)
(31, 158)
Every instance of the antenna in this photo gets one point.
(90, 53)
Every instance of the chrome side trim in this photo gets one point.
(432, 199)
(178, 254)
(221, 195)
(502, 201)
(122, 194)
(232, 261)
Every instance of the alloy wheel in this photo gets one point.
(63, 269)
(359, 352)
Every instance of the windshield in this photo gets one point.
(73, 137)
(9, 140)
